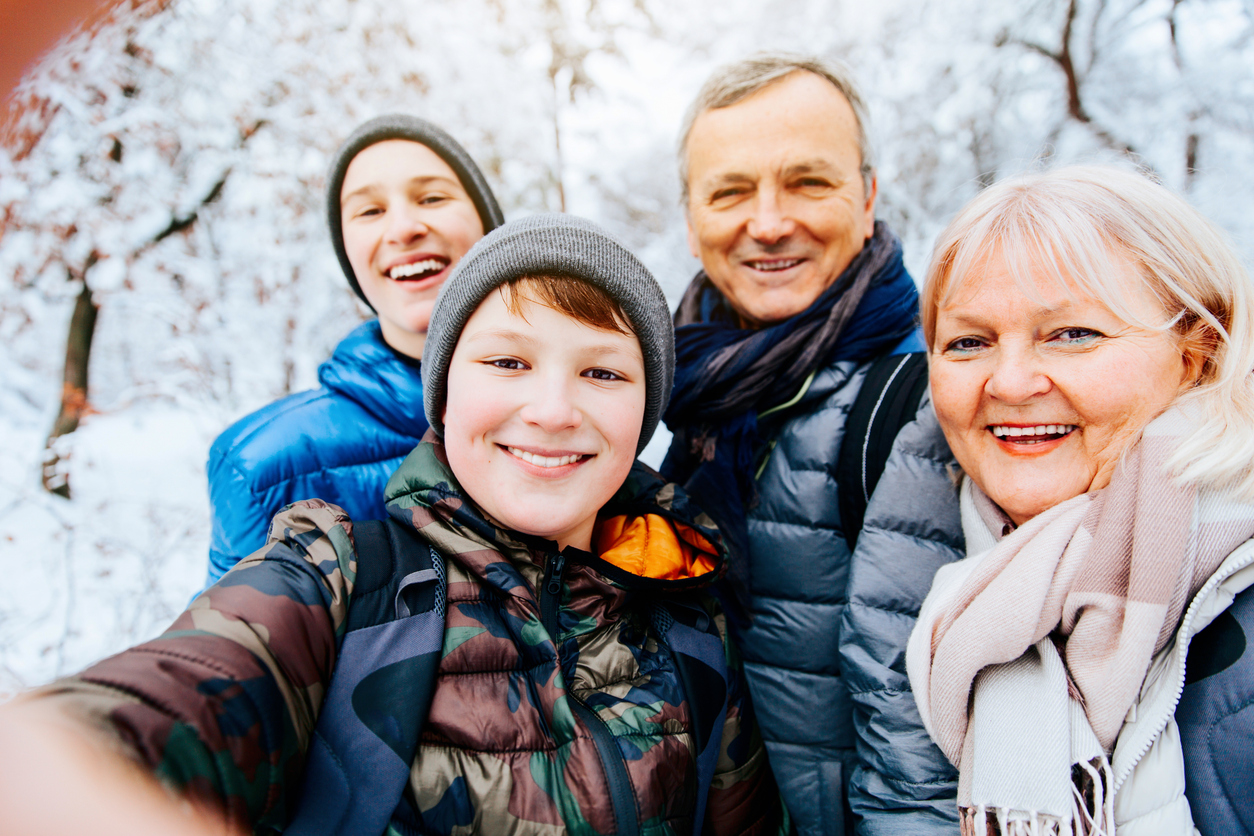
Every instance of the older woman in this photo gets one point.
(1091, 345)
(1091, 351)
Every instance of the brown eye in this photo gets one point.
(728, 192)
(602, 374)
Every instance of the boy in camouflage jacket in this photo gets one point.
(557, 706)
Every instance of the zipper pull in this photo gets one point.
(555, 577)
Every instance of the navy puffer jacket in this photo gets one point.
(903, 785)
(340, 443)
(798, 572)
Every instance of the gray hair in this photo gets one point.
(1076, 224)
(732, 83)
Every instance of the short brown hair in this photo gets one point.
(578, 299)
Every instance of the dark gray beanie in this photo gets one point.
(401, 126)
(554, 245)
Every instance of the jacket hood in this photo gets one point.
(649, 536)
(388, 386)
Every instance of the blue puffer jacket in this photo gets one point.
(798, 571)
(903, 784)
(339, 442)
(1216, 720)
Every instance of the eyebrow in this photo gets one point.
(803, 167)
(421, 180)
(808, 166)
(1036, 312)
(500, 334)
(598, 350)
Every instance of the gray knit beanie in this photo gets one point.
(401, 126)
(553, 245)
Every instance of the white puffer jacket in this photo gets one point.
(1148, 761)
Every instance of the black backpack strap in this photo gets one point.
(701, 662)
(888, 400)
(363, 745)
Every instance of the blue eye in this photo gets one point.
(965, 345)
(1075, 335)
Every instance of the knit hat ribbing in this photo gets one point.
(402, 126)
(562, 245)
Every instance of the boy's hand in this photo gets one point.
(59, 776)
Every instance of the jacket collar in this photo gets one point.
(388, 385)
(424, 493)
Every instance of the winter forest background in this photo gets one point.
(166, 177)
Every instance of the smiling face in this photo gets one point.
(1038, 397)
(777, 208)
(407, 221)
(542, 417)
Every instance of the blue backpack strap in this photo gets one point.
(701, 660)
(363, 746)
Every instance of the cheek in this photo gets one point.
(464, 232)
(358, 246)
(714, 231)
(955, 396)
(468, 414)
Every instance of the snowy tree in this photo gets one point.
(166, 176)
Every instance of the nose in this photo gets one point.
(770, 221)
(405, 224)
(1018, 375)
(551, 405)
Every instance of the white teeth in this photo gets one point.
(770, 266)
(404, 271)
(543, 461)
(1042, 429)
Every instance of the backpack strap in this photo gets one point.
(701, 661)
(363, 745)
(888, 400)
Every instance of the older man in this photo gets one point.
(801, 289)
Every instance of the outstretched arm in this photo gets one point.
(221, 706)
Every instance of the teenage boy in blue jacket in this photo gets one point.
(404, 204)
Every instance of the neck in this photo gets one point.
(409, 343)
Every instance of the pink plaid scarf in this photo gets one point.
(1107, 573)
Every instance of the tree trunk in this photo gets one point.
(73, 391)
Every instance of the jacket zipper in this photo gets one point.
(1181, 656)
(551, 600)
(622, 798)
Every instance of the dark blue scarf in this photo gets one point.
(725, 375)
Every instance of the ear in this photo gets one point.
(870, 206)
(1198, 344)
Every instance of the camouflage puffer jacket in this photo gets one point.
(223, 704)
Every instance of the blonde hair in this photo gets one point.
(1083, 225)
